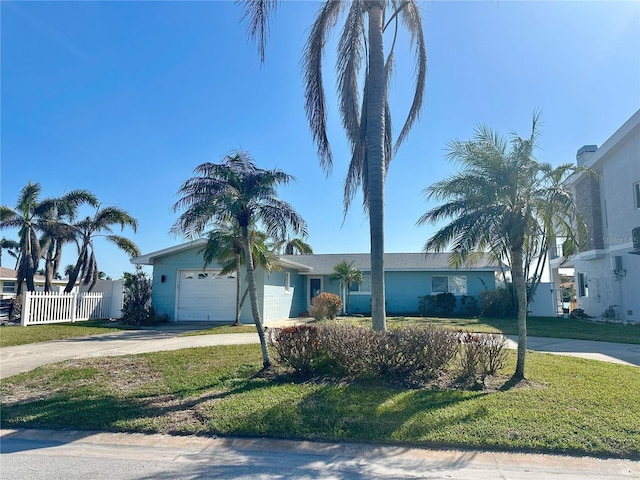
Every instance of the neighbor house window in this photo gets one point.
(364, 287)
(8, 287)
(636, 194)
(456, 284)
(583, 285)
(287, 282)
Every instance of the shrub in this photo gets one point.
(137, 309)
(325, 305)
(469, 306)
(482, 355)
(497, 303)
(297, 347)
(15, 308)
(441, 304)
(414, 355)
(349, 349)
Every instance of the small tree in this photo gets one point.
(347, 275)
(136, 309)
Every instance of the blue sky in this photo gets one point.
(126, 98)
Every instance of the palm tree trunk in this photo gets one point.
(237, 321)
(520, 286)
(253, 296)
(376, 162)
(73, 276)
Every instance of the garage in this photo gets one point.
(206, 296)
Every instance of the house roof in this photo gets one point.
(11, 274)
(150, 257)
(323, 264)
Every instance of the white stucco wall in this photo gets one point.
(617, 164)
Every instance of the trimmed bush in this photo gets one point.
(441, 304)
(481, 355)
(414, 355)
(349, 349)
(497, 303)
(325, 306)
(469, 306)
(297, 347)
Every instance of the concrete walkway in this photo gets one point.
(23, 358)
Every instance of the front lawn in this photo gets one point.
(570, 405)
(15, 335)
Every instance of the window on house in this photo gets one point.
(364, 287)
(8, 287)
(287, 282)
(636, 194)
(583, 285)
(456, 284)
(202, 276)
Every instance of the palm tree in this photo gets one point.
(12, 247)
(224, 245)
(26, 217)
(503, 201)
(364, 109)
(294, 246)
(101, 224)
(347, 275)
(58, 230)
(237, 191)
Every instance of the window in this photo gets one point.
(364, 287)
(636, 194)
(456, 284)
(8, 287)
(583, 285)
(287, 282)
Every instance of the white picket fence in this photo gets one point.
(40, 308)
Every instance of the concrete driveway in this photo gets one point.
(23, 358)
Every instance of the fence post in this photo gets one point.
(74, 306)
(24, 314)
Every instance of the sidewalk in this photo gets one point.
(165, 456)
(23, 358)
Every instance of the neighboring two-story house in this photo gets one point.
(607, 267)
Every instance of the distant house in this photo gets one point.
(8, 279)
(186, 292)
(607, 268)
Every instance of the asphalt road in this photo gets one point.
(51, 455)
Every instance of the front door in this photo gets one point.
(315, 287)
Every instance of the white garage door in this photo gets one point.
(204, 295)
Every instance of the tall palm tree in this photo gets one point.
(294, 246)
(237, 191)
(57, 228)
(364, 108)
(502, 201)
(100, 225)
(12, 247)
(224, 245)
(26, 217)
(347, 275)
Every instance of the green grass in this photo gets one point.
(45, 333)
(572, 406)
(223, 329)
(536, 327)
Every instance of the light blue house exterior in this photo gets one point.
(186, 291)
